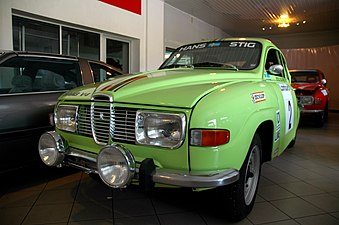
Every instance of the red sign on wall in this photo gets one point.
(130, 5)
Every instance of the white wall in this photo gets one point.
(182, 28)
(93, 14)
(154, 34)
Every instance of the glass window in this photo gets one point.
(309, 76)
(101, 72)
(274, 58)
(31, 35)
(80, 43)
(221, 54)
(117, 53)
(35, 74)
(168, 52)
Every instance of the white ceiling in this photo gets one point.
(249, 17)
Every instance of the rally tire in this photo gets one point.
(240, 196)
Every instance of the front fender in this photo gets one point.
(234, 109)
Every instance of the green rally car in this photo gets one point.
(208, 117)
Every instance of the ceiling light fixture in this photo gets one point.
(284, 21)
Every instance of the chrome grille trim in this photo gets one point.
(84, 121)
(101, 122)
(124, 124)
(121, 125)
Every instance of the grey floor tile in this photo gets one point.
(301, 188)
(44, 214)
(326, 202)
(70, 181)
(259, 198)
(95, 210)
(143, 220)
(133, 208)
(19, 198)
(177, 200)
(265, 182)
(281, 177)
(13, 216)
(305, 174)
(325, 184)
(274, 192)
(267, 168)
(285, 164)
(131, 192)
(318, 220)
(220, 220)
(285, 222)
(92, 222)
(56, 197)
(336, 215)
(187, 218)
(266, 213)
(296, 207)
(90, 190)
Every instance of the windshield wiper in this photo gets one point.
(216, 64)
(177, 66)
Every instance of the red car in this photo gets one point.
(312, 94)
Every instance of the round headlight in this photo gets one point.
(116, 166)
(50, 145)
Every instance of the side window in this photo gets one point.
(272, 58)
(7, 78)
(101, 72)
(284, 64)
(37, 74)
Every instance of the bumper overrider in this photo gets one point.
(116, 166)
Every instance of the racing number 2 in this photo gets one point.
(289, 112)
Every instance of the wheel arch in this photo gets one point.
(265, 131)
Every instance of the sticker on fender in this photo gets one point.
(258, 97)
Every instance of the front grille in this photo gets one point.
(120, 125)
(101, 121)
(124, 129)
(84, 121)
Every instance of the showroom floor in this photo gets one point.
(299, 187)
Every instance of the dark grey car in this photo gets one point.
(30, 84)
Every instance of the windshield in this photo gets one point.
(311, 77)
(221, 54)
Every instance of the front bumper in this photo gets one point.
(88, 162)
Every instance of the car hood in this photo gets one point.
(172, 88)
(305, 86)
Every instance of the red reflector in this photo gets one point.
(214, 137)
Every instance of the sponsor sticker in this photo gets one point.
(214, 44)
(191, 47)
(277, 129)
(258, 96)
(324, 92)
(243, 44)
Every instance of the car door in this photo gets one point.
(286, 118)
(29, 88)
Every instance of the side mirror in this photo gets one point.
(324, 82)
(276, 69)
